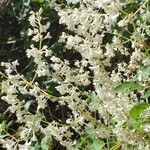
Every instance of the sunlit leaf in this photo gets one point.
(38, 1)
(137, 110)
(3, 125)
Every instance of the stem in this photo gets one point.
(139, 8)
(2, 74)
(30, 84)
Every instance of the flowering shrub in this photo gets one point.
(104, 90)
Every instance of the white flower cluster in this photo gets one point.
(73, 1)
(92, 28)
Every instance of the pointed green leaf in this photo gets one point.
(137, 110)
(3, 125)
(127, 86)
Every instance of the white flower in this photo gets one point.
(15, 63)
(48, 36)
(41, 102)
(32, 52)
(62, 89)
(35, 31)
(48, 25)
(55, 59)
(42, 69)
(101, 3)
(123, 23)
(73, 1)
(30, 32)
(32, 20)
(146, 127)
(36, 37)
(56, 67)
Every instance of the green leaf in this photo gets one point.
(89, 141)
(38, 1)
(94, 101)
(135, 124)
(2, 118)
(35, 147)
(46, 143)
(96, 145)
(147, 94)
(3, 125)
(145, 70)
(137, 110)
(127, 86)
